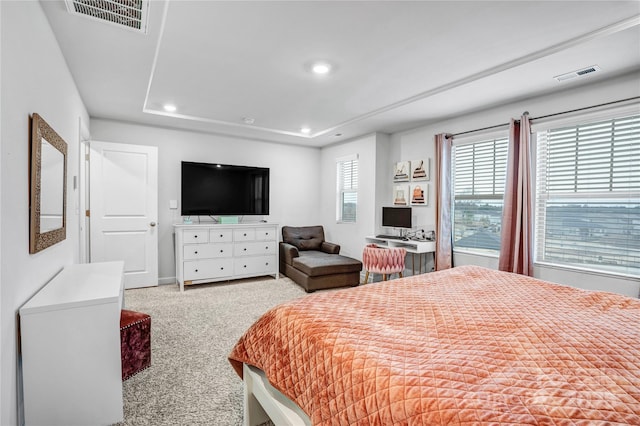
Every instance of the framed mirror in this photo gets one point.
(47, 186)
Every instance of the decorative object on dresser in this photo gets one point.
(314, 263)
(135, 342)
(70, 347)
(213, 252)
(48, 186)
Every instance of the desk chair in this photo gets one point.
(385, 261)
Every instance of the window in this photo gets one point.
(479, 172)
(347, 189)
(588, 196)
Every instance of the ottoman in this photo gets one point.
(135, 342)
(318, 271)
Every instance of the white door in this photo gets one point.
(123, 200)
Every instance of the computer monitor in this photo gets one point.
(396, 217)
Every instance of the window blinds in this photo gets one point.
(588, 195)
(479, 179)
(347, 190)
(480, 170)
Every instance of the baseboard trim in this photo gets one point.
(166, 280)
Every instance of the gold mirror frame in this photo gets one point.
(40, 131)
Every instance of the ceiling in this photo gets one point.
(395, 65)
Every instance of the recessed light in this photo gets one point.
(321, 68)
(305, 130)
(248, 120)
(169, 107)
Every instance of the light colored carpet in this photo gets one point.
(190, 381)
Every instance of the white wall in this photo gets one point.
(294, 176)
(35, 78)
(406, 145)
(350, 236)
(410, 146)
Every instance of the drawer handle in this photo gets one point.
(222, 268)
(196, 270)
(266, 247)
(245, 249)
(220, 235)
(267, 264)
(195, 236)
(221, 251)
(245, 266)
(195, 252)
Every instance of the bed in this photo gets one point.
(464, 346)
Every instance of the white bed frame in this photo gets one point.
(263, 402)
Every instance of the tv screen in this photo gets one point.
(222, 189)
(396, 217)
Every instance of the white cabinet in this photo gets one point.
(212, 252)
(70, 347)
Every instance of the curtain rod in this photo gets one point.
(544, 116)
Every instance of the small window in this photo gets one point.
(479, 171)
(347, 169)
(588, 196)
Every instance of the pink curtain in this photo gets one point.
(516, 242)
(444, 221)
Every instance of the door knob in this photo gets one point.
(152, 224)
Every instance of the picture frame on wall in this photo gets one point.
(401, 195)
(401, 171)
(420, 169)
(419, 194)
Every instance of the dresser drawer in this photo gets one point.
(267, 233)
(244, 234)
(196, 236)
(254, 248)
(221, 235)
(255, 265)
(199, 251)
(210, 268)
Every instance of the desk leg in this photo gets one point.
(413, 263)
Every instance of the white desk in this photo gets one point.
(411, 246)
(70, 343)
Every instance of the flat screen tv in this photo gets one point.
(396, 217)
(223, 189)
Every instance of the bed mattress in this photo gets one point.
(463, 346)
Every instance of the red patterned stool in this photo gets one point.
(135, 342)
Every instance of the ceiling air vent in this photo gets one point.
(131, 14)
(578, 73)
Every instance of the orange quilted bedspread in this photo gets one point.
(463, 346)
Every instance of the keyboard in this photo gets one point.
(390, 237)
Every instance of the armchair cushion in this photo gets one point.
(330, 248)
(323, 264)
(303, 237)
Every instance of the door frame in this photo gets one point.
(83, 193)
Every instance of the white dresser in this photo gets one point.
(70, 345)
(220, 252)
